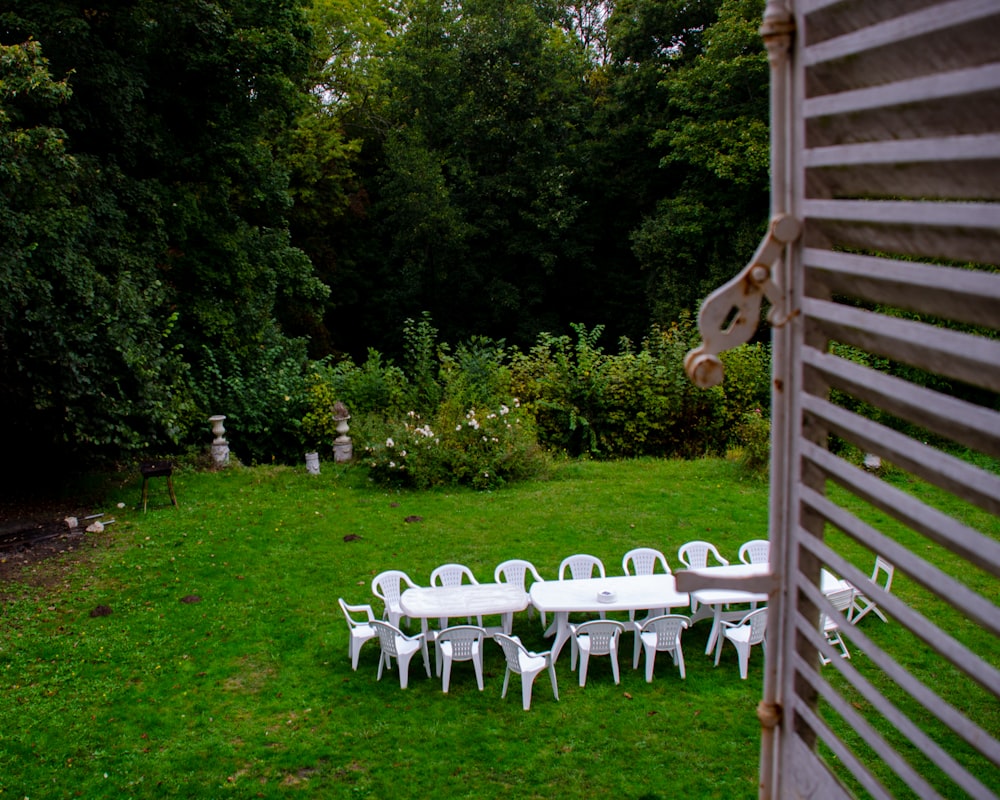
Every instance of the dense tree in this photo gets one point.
(156, 231)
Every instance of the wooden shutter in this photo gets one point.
(886, 156)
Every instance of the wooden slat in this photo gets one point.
(953, 718)
(970, 359)
(825, 19)
(963, 168)
(868, 781)
(860, 725)
(922, 90)
(940, 641)
(975, 427)
(950, 149)
(963, 295)
(901, 30)
(964, 541)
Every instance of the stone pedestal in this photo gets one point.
(343, 448)
(312, 463)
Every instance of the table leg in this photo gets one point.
(714, 633)
(561, 625)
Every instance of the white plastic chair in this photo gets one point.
(660, 635)
(453, 575)
(841, 599)
(397, 645)
(861, 604)
(526, 664)
(643, 561)
(459, 643)
(599, 637)
(756, 551)
(581, 567)
(361, 629)
(694, 555)
(388, 586)
(744, 634)
(515, 571)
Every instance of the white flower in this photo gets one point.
(403, 454)
(392, 464)
(485, 439)
(458, 427)
(389, 442)
(504, 410)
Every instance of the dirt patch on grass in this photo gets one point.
(37, 547)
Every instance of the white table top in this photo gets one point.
(631, 592)
(829, 583)
(467, 600)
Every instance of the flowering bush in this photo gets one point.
(481, 448)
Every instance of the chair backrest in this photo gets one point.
(881, 565)
(386, 586)
(387, 636)
(603, 634)
(841, 599)
(515, 571)
(451, 575)
(581, 567)
(463, 639)
(512, 650)
(644, 561)
(694, 555)
(756, 551)
(757, 620)
(356, 609)
(668, 629)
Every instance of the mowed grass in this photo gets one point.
(222, 669)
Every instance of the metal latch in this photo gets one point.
(728, 317)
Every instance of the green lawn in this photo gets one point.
(248, 691)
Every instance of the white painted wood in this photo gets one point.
(923, 90)
(920, 23)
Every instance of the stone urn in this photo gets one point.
(220, 448)
(343, 448)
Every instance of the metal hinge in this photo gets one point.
(728, 317)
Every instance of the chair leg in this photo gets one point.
(404, 669)
(614, 666)
(477, 663)
(506, 680)
(743, 652)
(552, 678)
(446, 677)
(170, 487)
(584, 661)
(679, 659)
(650, 659)
(527, 679)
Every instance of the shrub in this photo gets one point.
(480, 448)
(754, 435)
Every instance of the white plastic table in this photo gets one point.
(467, 600)
(714, 600)
(628, 593)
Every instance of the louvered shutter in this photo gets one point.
(886, 170)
